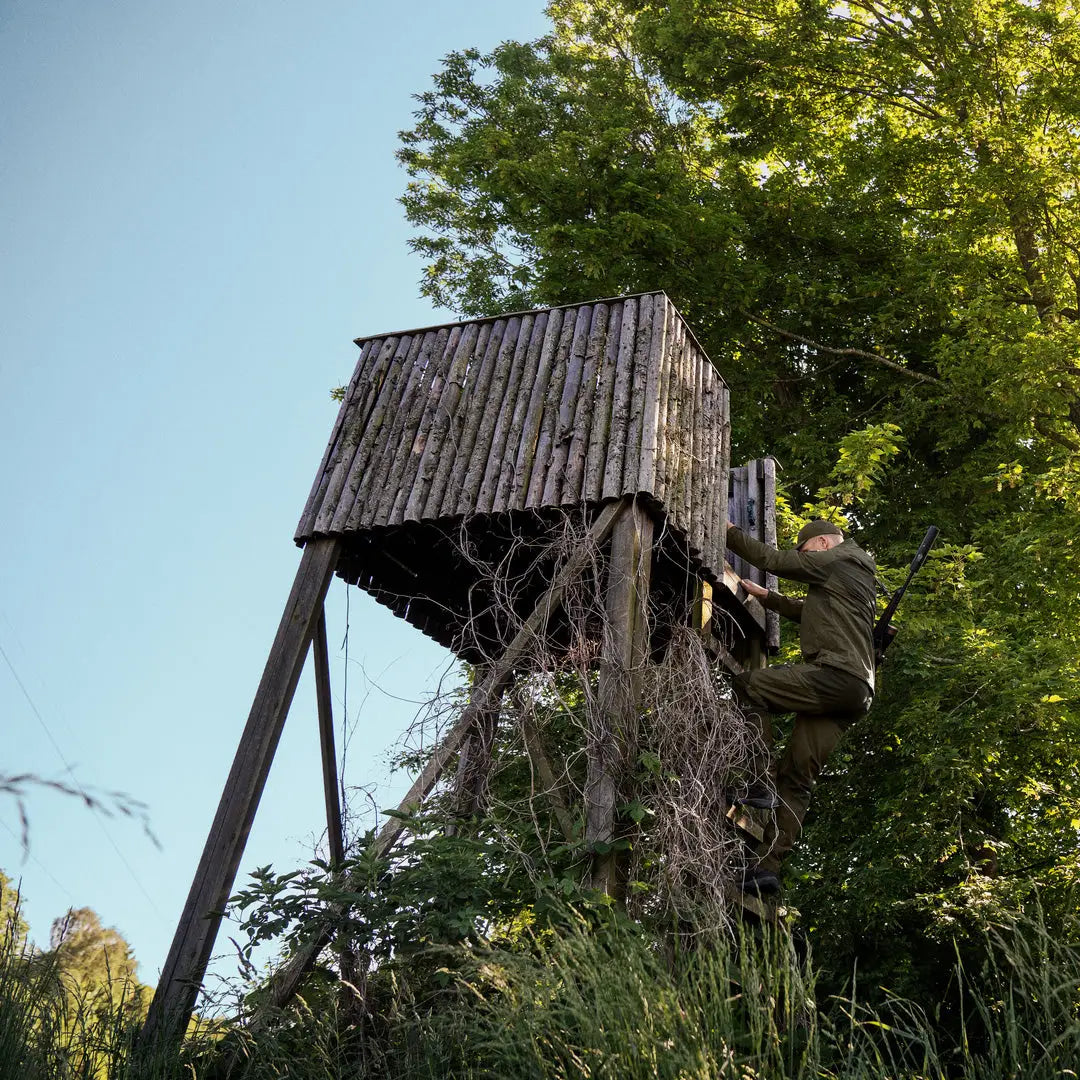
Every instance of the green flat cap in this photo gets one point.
(819, 527)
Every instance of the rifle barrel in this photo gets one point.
(924, 550)
(916, 564)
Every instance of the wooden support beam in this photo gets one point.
(335, 828)
(725, 657)
(756, 655)
(751, 603)
(613, 740)
(335, 831)
(485, 698)
(502, 672)
(703, 609)
(763, 910)
(542, 765)
(474, 761)
(185, 965)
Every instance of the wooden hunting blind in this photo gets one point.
(490, 427)
(481, 437)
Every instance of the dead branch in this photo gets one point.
(861, 354)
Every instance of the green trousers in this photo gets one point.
(825, 702)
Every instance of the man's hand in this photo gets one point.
(753, 588)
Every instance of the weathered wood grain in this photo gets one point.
(440, 423)
(665, 434)
(737, 514)
(534, 412)
(543, 455)
(767, 467)
(489, 410)
(600, 433)
(189, 954)
(542, 409)
(371, 454)
(558, 486)
(335, 833)
(695, 522)
(441, 363)
(636, 411)
(613, 737)
(349, 404)
(378, 495)
(650, 406)
(513, 463)
(391, 504)
(584, 408)
(721, 516)
(712, 459)
(676, 455)
(456, 404)
(686, 415)
(530, 337)
(620, 404)
(366, 430)
(353, 432)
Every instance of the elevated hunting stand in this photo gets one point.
(476, 436)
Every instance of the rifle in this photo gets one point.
(884, 631)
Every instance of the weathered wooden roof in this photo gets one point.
(484, 432)
(548, 408)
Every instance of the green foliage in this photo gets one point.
(587, 993)
(595, 995)
(95, 961)
(11, 921)
(439, 890)
(869, 216)
(70, 1012)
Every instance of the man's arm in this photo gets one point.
(811, 567)
(787, 606)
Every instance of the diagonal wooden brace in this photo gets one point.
(484, 700)
(185, 966)
(614, 736)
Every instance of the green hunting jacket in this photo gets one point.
(836, 620)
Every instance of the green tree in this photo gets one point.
(95, 962)
(13, 928)
(868, 214)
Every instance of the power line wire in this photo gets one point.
(44, 869)
(87, 799)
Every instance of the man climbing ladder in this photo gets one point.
(833, 687)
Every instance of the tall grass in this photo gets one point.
(608, 1002)
(51, 1028)
(616, 1005)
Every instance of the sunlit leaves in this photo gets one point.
(821, 187)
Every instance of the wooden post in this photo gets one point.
(474, 760)
(540, 762)
(335, 828)
(335, 831)
(613, 742)
(185, 966)
(486, 697)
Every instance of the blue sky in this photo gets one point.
(197, 214)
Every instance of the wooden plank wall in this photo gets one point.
(550, 408)
(752, 507)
